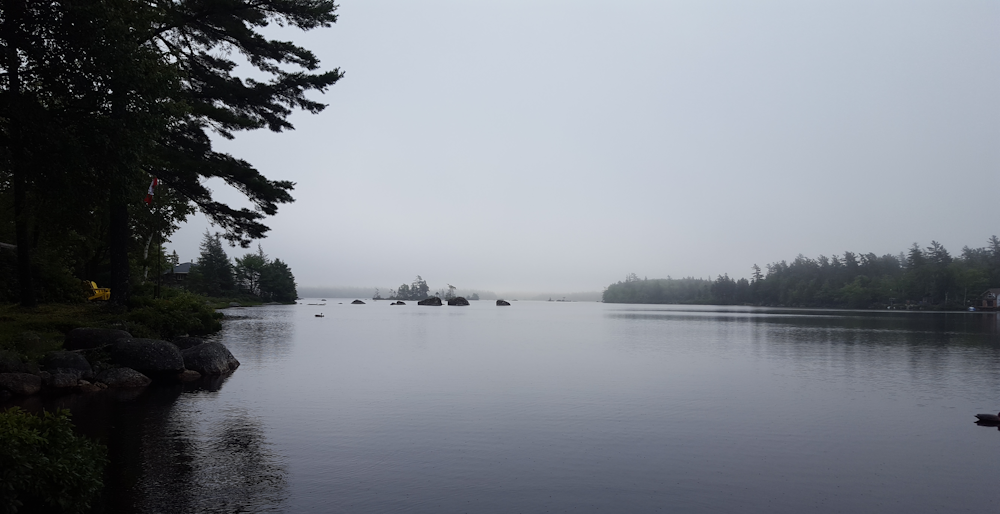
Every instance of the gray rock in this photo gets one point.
(11, 363)
(210, 359)
(123, 377)
(357, 302)
(185, 342)
(68, 362)
(458, 300)
(63, 380)
(20, 383)
(86, 338)
(435, 301)
(501, 303)
(151, 357)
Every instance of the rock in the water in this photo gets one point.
(123, 377)
(150, 357)
(398, 303)
(64, 362)
(458, 300)
(11, 363)
(20, 383)
(502, 302)
(86, 338)
(210, 359)
(357, 302)
(184, 343)
(435, 301)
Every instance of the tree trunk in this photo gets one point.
(14, 16)
(118, 243)
(119, 233)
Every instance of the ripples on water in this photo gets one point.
(567, 407)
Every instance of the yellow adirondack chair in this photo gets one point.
(98, 293)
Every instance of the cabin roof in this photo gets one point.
(186, 268)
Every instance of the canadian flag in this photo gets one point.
(149, 194)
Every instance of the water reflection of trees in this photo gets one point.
(932, 347)
(173, 449)
(210, 464)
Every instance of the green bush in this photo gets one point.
(177, 313)
(44, 466)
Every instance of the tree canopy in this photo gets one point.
(923, 277)
(101, 96)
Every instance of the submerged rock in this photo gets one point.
(20, 383)
(435, 301)
(123, 377)
(458, 300)
(501, 303)
(210, 359)
(188, 375)
(86, 338)
(87, 387)
(151, 357)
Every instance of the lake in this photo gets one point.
(568, 407)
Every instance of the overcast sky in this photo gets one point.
(560, 145)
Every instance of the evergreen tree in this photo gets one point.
(277, 284)
(213, 275)
(249, 271)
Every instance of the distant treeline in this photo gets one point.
(922, 277)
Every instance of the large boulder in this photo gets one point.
(357, 302)
(86, 338)
(186, 342)
(10, 362)
(501, 303)
(458, 300)
(435, 301)
(20, 383)
(151, 357)
(69, 363)
(210, 359)
(123, 377)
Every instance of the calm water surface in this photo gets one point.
(569, 407)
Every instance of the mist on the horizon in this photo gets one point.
(556, 147)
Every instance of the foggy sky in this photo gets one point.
(560, 145)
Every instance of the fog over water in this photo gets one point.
(557, 146)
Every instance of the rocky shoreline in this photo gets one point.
(96, 359)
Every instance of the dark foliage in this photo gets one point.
(921, 278)
(44, 466)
